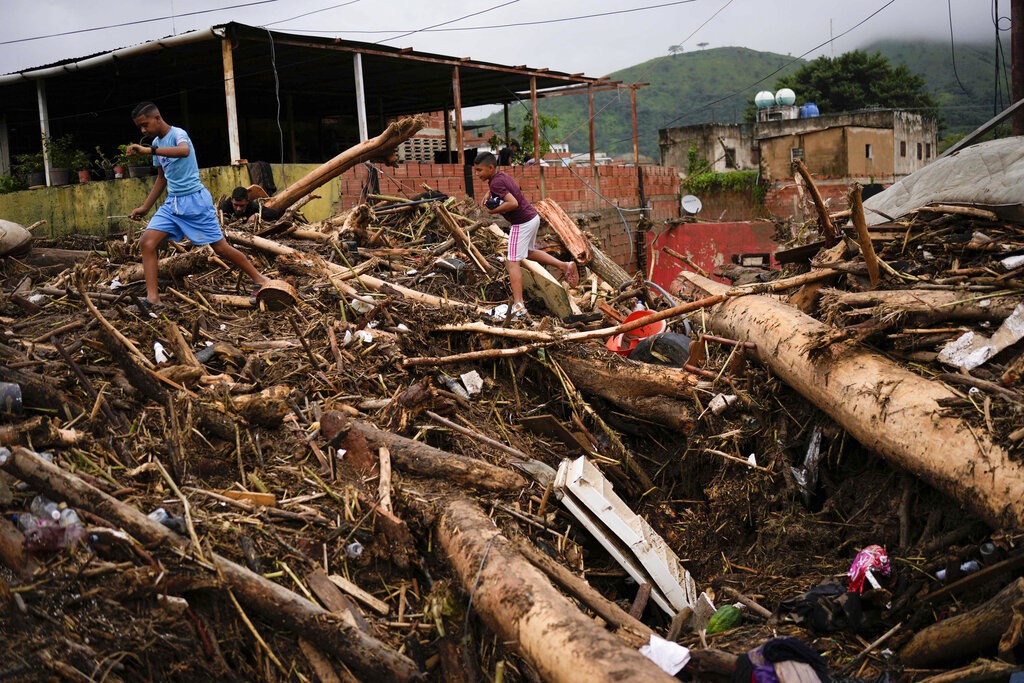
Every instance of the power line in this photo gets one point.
(451, 21)
(316, 11)
(511, 25)
(792, 61)
(952, 47)
(136, 22)
(645, 72)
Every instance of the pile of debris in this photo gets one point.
(369, 472)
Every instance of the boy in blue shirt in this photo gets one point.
(188, 211)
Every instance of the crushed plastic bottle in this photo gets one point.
(354, 549)
(41, 535)
(44, 508)
(74, 532)
(176, 524)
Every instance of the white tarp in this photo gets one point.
(989, 175)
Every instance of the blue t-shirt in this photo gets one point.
(182, 174)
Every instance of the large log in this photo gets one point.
(607, 269)
(646, 391)
(519, 603)
(381, 146)
(568, 232)
(923, 306)
(172, 267)
(888, 409)
(965, 634)
(284, 608)
(420, 458)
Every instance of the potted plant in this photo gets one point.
(121, 162)
(30, 168)
(140, 165)
(81, 162)
(11, 183)
(61, 152)
(105, 165)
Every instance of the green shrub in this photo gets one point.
(11, 183)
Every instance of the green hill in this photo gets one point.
(680, 84)
(689, 88)
(961, 111)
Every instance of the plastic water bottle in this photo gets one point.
(74, 532)
(44, 508)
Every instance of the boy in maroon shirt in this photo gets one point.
(507, 199)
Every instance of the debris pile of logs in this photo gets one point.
(361, 485)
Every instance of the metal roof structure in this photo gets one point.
(321, 91)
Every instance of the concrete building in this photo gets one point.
(722, 146)
(874, 146)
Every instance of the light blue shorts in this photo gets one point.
(192, 216)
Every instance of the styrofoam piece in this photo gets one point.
(970, 350)
(626, 536)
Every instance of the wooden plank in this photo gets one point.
(252, 497)
(334, 600)
(547, 425)
(321, 665)
(360, 595)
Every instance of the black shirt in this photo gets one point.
(266, 213)
(505, 157)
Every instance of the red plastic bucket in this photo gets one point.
(624, 343)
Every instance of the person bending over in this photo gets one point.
(508, 200)
(239, 206)
(188, 210)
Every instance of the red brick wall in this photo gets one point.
(617, 183)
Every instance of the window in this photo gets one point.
(903, 148)
(919, 151)
(796, 153)
(927, 150)
(730, 158)
(867, 152)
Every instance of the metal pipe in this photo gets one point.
(109, 57)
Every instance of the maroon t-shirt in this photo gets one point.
(502, 184)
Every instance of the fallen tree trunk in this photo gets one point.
(964, 634)
(172, 267)
(890, 410)
(518, 603)
(636, 390)
(922, 305)
(631, 629)
(381, 146)
(607, 269)
(282, 607)
(420, 458)
(572, 238)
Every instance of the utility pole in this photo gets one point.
(1017, 53)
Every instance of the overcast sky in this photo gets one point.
(595, 45)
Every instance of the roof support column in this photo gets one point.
(590, 122)
(508, 128)
(357, 66)
(234, 151)
(5, 148)
(44, 125)
(460, 143)
(536, 134)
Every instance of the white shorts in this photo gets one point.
(522, 238)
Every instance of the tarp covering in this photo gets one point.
(989, 175)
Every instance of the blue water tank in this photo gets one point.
(809, 111)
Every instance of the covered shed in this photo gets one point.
(245, 92)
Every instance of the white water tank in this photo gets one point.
(764, 99)
(785, 97)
